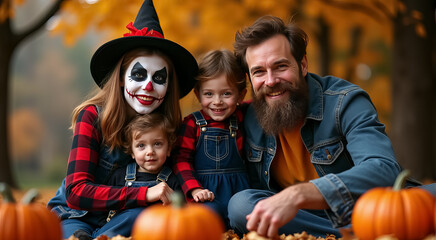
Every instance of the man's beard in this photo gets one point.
(281, 115)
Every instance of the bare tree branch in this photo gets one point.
(382, 7)
(357, 7)
(51, 12)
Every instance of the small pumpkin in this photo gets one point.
(404, 213)
(434, 217)
(27, 219)
(178, 221)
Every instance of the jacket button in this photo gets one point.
(329, 157)
(203, 129)
(129, 184)
(266, 173)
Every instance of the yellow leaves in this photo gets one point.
(314, 10)
(19, 2)
(417, 15)
(5, 11)
(420, 30)
(280, 8)
(77, 17)
(401, 7)
(413, 17)
(419, 27)
(203, 25)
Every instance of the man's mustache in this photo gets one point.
(281, 86)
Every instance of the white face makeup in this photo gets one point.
(146, 83)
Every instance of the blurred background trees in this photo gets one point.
(386, 47)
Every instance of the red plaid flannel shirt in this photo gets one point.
(187, 141)
(81, 191)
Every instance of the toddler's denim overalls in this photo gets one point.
(130, 178)
(218, 164)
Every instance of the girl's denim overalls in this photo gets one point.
(218, 164)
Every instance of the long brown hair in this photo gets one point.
(113, 117)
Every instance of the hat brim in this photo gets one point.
(106, 57)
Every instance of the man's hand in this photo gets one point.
(272, 213)
(202, 195)
(160, 192)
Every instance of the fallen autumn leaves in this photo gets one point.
(230, 235)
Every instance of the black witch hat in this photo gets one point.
(145, 32)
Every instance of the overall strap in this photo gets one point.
(164, 174)
(233, 125)
(199, 119)
(131, 172)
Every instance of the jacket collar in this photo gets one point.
(316, 98)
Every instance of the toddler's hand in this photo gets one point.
(160, 192)
(202, 195)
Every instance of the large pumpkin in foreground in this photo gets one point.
(404, 213)
(178, 222)
(26, 220)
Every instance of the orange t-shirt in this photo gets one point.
(291, 163)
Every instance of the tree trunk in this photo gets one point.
(7, 47)
(413, 114)
(8, 42)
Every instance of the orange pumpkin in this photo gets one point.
(178, 222)
(404, 213)
(434, 217)
(26, 220)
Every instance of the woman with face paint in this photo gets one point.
(137, 74)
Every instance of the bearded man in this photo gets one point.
(314, 144)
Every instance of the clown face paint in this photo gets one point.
(146, 83)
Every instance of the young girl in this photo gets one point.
(209, 160)
(138, 74)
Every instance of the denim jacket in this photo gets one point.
(348, 146)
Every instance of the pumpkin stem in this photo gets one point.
(30, 196)
(5, 191)
(177, 200)
(401, 180)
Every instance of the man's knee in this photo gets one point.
(239, 207)
(430, 187)
(239, 202)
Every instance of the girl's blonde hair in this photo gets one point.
(142, 124)
(113, 116)
(217, 62)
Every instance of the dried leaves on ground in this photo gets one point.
(231, 235)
